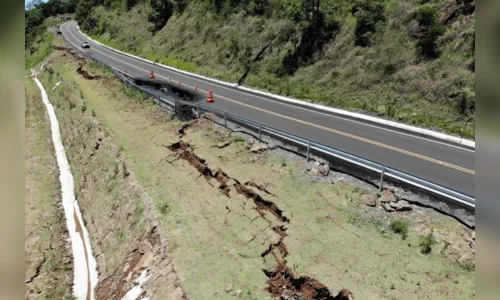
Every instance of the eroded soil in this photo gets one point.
(281, 279)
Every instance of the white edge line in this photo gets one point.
(426, 132)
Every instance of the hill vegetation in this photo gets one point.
(407, 60)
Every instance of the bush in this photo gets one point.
(431, 30)
(400, 227)
(369, 14)
(426, 242)
(159, 13)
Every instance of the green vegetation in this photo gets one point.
(213, 235)
(44, 44)
(391, 58)
(48, 270)
(426, 242)
(427, 18)
(400, 227)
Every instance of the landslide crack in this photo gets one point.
(282, 281)
(85, 74)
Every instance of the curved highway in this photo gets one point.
(449, 165)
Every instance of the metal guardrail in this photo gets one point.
(310, 145)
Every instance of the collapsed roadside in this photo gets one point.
(212, 235)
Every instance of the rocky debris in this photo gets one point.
(228, 288)
(282, 279)
(387, 207)
(259, 148)
(237, 293)
(466, 258)
(401, 205)
(223, 144)
(319, 169)
(369, 200)
(468, 237)
(290, 295)
(386, 196)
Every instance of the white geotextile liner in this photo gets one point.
(82, 273)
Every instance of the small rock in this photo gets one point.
(259, 148)
(401, 205)
(228, 288)
(387, 207)
(290, 295)
(387, 196)
(237, 293)
(369, 200)
(473, 235)
(466, 258)
(467, 237)
(320, 169)
(223, 144)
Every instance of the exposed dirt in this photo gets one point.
(142, 257)
(260, 187)
(86, 75)
(282, 279)
(452, 10)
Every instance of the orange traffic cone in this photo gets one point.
(195, 87)
(210, 97)
(151, 75)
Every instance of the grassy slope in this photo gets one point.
(46, 249)
(329, 237)
(386, 79)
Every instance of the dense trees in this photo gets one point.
(430, 30)
(159, 13)
(369, 14)
(36, 11)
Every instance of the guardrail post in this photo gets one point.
(175, 106)
(260, 133)
(225, 119)
(198, 109)
(308, 150)
(381, 179)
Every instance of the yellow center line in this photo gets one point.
(355, 137)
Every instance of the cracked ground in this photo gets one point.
(228, 237)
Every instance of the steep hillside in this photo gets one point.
(408, 60)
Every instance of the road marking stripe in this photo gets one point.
(409, 153)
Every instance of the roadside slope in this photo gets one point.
(117, 212)
(217, 242)
(48, 260)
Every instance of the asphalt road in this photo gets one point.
(441, 163)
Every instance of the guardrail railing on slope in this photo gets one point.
(309, 145)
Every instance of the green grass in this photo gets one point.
(426, 242)
(329, 236)
(400, 227)
(45, 227)
(43, 49)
